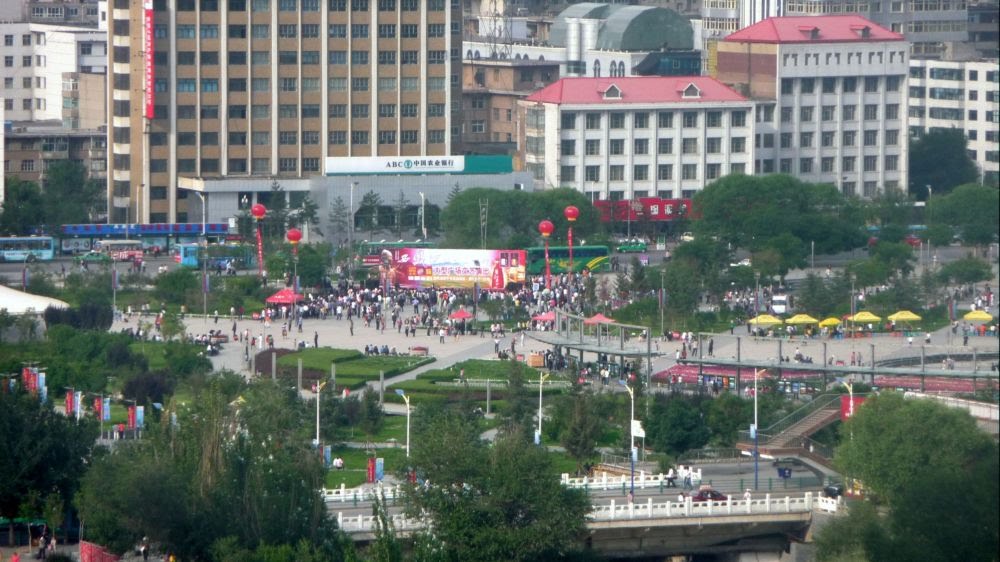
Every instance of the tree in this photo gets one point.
(676, 424)
(368, 212)
(372, 415)
(23, 207)
(965, 271)
(972, 210)
(681, 283)
(70, 197)
(399, 212)
(902, 450)
(44, 452)
(939, 159)
(480, 504)
(583, 429)
(340, 220)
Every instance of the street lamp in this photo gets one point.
(258, 211)
(423, 214)
(406, 399)
(538, 433)
(631, 432)
(545, 228)
(319, 395)
(204, 260)
(850, 396)
(754, 434)
(294, 235)
(571, 213)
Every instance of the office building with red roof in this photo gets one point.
(631, 137)
(831, 95)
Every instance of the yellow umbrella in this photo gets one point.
(765, 320)
(865, 316)
(801, 319)
(978, 316)
(904, 316)
(829, 322)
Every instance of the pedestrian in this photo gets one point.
(315, 339)
(747, 496)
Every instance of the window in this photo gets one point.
(288, 84)
(567, 173)
(435, 136)
(871, 112)
(288, 31)
(849, 112)
(737, 145)
(260, 84)
(237, 58)
(689, 172)
(689, 146)
(892, 137)
(592, 173)
(567, 147)
(829, 85)
(713, 145)
(258, 31)
(260, 58)
(260, 165)
(849, 138)
(593, 120)
(359, 110)
(640, 120)
(828, 113)
(665, 146)
(737, 168)
(359, 6)
(690, 119)
(891, 163)
(826, 164)
(209, 31)
(871, 138)
(640, 172)
(891, 111)
(870, 163)
(785, 165)
(786, 114)
(386, 84)
(237, 138)
(288, 137)
(738, 119)
(592, 147)
(713, 171)
(410, 57)
(261, 138)
(786, 140)
(337, 111)
(787, 86)
(209, 85)
(209, 112)
(713, 119)
(807, 85)
(359, 84)
(805, 165)
(359, 31)
(387, 137)
(408, 137)
(847, 164)
(806, 113)
(387, 5)
(640, 146)
(665, 172)
(408, 110)
(616, 120)
(386, 110)
(186, 139)
(616, 173)
(665, 119)
(288, 164)
(892, 83)
(237, 84)
(871, 83)
(338, 137)
(359, 137)
(805, 140)
(260, 112)
(850, 84)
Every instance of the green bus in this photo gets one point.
(590, 258)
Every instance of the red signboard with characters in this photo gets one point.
(150, 75)
(847, 408)
(645, 208)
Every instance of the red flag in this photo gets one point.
(90, 552)
(69, 403)
(131, 417)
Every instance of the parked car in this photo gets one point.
(708, 494)
(789, 462)
(833, 490)
(687, 237)
(745, 262)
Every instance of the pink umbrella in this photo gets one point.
(461, 314)
(598, 319)
(549, 316)
(284, 296)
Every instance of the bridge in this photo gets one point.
(658, 524)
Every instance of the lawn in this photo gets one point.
(355, 468)
(353, 368)
(319, 359)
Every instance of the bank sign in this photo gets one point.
(395, 165)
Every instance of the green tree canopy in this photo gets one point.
(70, 198)
(973, 211)
(23, 208)
(940, 159)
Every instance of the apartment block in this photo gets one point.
(632, 137)
(270, 88)
(491, 89)
(959, 95)
(832, 99)
(34, 58)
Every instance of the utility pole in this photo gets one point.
(484, 208)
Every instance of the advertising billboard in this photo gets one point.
(418, 268)
(150, 76)
(848, 404)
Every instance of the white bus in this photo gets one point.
(120, 250)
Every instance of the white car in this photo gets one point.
(745, 262)
(687, 237)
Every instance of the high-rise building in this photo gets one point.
(962, 95)
(237, 89)
(832, 100)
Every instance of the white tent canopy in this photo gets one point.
(18, 302)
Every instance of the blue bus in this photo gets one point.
(236, 256)
(27, 248)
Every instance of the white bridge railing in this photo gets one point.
(621, 510)
(643, 480)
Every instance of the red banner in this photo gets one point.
(847, 407)
(371, 469)
(90, 552)
(260, 252)
(69, 403)
(98, 407)
(644, 208)
(131, 417)
(150, 76)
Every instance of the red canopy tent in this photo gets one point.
(549, 316)
(598, 319)
(284, 296)
(461, 314)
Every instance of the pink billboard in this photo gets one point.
(417, 268)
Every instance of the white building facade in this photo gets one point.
(959, 95)
(838, 85)
(631, 137)
(34, 58)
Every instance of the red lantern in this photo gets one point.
(545, 228)
(294, 235)
(258, 211)
(571, 213)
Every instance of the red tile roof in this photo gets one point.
(814, 29)
(636, 89)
